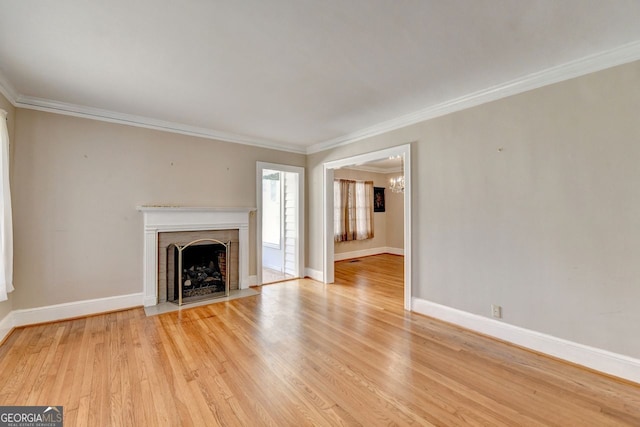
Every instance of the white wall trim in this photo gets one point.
(314, 274)
(601, 360)
(33, 103)
(589, 64)
(367, 252)
(253, 280)
(6, 326)
(7, 89)
(52, 313)
(301, 212)
(394, 251)
(366, 168)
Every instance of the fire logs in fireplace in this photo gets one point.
(197, 271)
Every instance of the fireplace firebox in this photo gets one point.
(197, 271)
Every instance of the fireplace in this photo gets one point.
(206, 246)
(197, 271)
(179, 226)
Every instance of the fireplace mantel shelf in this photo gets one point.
(145, 208)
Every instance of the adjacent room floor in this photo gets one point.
(301, 353)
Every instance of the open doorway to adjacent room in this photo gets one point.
(336, 169)
(280, 226)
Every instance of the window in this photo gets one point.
(353, 210)
(271, 191)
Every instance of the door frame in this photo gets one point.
(260, 166)
(328, 270)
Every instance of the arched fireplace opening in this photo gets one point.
(197, 271)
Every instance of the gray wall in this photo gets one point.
(531, 202)
(76, 186)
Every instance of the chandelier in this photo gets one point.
(396, 184)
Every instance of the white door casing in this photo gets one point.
(328, 249)
(297, 254)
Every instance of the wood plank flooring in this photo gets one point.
(300, 353)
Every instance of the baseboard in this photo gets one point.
(52, 313)
(253, 280)
(6, 326)
(394, 251)
(594, 358)
(367, 252)
(247, 282)
(314, 274)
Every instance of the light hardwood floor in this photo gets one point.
(300, 353)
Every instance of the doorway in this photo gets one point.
(280, 226)
(328, 248)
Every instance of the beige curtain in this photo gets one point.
(353, 210)
(364, 210)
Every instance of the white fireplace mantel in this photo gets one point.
(159, 219)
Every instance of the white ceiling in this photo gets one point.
(295, 74)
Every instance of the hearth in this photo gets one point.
(197, 270)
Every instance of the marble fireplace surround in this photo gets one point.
(159, 219)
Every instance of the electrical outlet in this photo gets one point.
(496, 311)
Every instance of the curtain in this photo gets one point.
(364, 210)
(353, 210)
(6, 227)
(342, 227)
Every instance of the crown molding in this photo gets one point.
(7, 89)
(373, 169)
(33, 103)
(589, 64)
